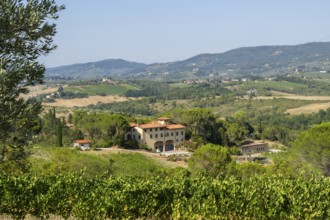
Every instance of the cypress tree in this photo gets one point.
(59, 134)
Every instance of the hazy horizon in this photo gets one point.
(155, 32)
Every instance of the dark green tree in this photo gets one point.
(59, 134)
(115, 127)
(76, 134)
(211, 159)
(313, 148)
(70, 117)
(201, 124)
(25, 34)
(236, 133)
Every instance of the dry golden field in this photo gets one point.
(91, 100)
(40, 90)
(78, 102)
(308, 109)
(294, 97)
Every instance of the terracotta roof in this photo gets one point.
(175, 126)
(82, 141)
(255, 144)
(132, 125)
(158, 125)
(151, 125)
(163, 119)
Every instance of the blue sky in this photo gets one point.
(169, 30)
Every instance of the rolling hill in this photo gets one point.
(246, 61)
(109, 67)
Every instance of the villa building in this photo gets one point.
(161, 135)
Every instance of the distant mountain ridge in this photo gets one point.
(108, 67)
(258, 61)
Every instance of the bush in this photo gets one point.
(211, 159)
(102, 144)
(188, 145)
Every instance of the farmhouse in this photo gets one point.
(254, 148)
(161, 135)
(82, 144)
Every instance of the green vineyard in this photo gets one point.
(183, 197)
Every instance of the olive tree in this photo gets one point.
(26, 33)
(211, 159)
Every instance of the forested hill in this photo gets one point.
(109, 67)
(258, 61)
(261, 60)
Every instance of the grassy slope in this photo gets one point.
(61, 160)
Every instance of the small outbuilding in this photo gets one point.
(82, 144)
(254, 148)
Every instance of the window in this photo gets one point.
(133, 129)
(151, 136)
(172, 134)
(133, 136)
(145, 130)
(181, 132)
(177, 140)
(177, 133)
(156, 135)
(156, 129)
(150, 129)
(161, 135)
(139, 137)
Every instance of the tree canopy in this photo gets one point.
(211, 159)
(313, 147)
(25, 34)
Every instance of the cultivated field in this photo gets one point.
(308, 109)
(294, 97)
(80, 102)
(40, 90)
(91, 100)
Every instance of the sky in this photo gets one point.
(151, 31)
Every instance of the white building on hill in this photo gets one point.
(160, 135)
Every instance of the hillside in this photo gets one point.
(91, 70)
(257, 61)
(246, 61)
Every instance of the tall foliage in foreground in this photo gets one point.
(181, 197)
(313, 147)
(25, 35)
